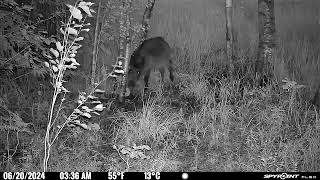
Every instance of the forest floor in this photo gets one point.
(203, 121)
(193, 125)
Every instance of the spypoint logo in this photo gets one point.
(281, 176)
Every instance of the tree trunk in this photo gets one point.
(126, 51)
(146, 19)
(234, 34)
(95, 48)
(266, 23)
(229, 37)
(124, 35)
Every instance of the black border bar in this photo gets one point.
(157, 175)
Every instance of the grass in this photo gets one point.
(226, 128)
(206, 122)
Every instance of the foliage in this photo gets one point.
(63, 59)
(136, 152)
(21, 49)
(10, 121)
(206, 124)
(22, 46)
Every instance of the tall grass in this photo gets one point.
(298, 30)
(193, 28)
(218, 124)
(197, 28)
(259, 129)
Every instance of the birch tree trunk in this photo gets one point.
(125, 37)
(229, 36)
(95, 47)
(122, 29)
(266, 26)
(126, 51)
(146, 19)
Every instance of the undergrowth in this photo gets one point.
(205, 121)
